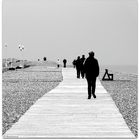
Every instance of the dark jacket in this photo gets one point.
(78, 64)
(82, 61)
(91, 67)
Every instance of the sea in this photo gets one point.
(130, 69)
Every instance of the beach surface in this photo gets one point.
(22, 88)
(124, 91)
(65, 112)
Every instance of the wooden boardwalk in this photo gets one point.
(65, 112)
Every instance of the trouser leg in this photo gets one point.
(78, 73)
(93, 86)
(89, 88)
(82, 74)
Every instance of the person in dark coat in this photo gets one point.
(82, 66)
(91, 69)
(74, 63)
(58, 63)
(64, 62)
(78, 66)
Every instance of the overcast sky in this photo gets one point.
(68, 28)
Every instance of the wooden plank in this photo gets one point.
(65, 112)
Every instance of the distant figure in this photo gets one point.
(45, 59)
(78, 66)
(91, 69)
(64, 62)
(82, 65)
(74, 63)
(58, 63)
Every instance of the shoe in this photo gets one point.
(89, 97)
(94, 95)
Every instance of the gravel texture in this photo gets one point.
(124, 92)
(22, 88)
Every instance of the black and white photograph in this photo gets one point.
(69, 69)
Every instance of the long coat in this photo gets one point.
(78, 64)
(91, 68)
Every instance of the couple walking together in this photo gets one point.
(91, 71)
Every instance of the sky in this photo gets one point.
(70, 28)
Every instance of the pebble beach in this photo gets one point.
(22, 88)
(124, 91)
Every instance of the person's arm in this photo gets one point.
(98, 69)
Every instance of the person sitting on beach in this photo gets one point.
(91, 70)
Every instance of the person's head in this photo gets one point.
(91, 54)
(83, 56)
(78, 57)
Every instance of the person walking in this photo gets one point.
(58, 63)
(91, 70)
(82, 66)
(74, 63)
(64, 62)
(78, 66)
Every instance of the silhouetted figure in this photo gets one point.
(109, 76)
(45, 59)
(82, 65)
(58, 63)
(91, 69)
(64, 62)
(78, 66)
(74, 63)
